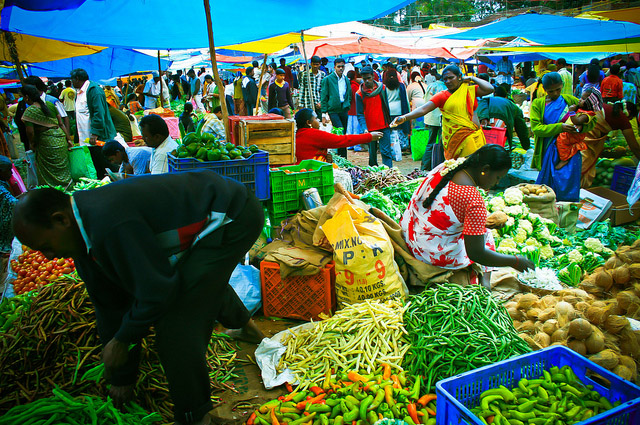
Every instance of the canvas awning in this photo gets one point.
(36, 49)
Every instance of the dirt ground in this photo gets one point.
(406, 166)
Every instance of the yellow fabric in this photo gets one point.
(272, 44)
(460, 135)
(36, 49)
(575, 48)
(631, 14)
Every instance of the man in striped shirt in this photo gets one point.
(311, 99)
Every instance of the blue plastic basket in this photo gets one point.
(252, 171)
(458, 394)
(622, 179)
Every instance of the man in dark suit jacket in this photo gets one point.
(335, 97)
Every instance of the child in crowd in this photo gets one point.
(280, 94)
(570, 144)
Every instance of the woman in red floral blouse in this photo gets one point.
(445, 222)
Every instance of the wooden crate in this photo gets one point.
(274, 136)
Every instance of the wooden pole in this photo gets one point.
(161, 81)
(263, 70)
(13, 52)
(309, 74)
(126, 91)
(216, 75)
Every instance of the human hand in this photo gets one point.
(115, 354)
(93, 139)
(397, 121)
(121, 395)
(467, 79)
(376, 135)
(484, 122)
(568, 128)
(523, 263)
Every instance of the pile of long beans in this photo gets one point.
(63, 408)
(378, 179)
(360, 337)
(454, 329)
(53, 342)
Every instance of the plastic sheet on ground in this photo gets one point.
(16, 250)
(268, 356)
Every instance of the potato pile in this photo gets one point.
(620, 273)
(573, 318)
(533, 189)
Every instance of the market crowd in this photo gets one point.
(171, 270)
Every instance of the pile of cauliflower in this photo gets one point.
(524, 230)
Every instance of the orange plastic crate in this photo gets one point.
(297, 297)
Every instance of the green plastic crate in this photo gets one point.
(287, 188)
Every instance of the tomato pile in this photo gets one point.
(34, 270)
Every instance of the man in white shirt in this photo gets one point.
(156, 135)
(152, 92)
(93, 120)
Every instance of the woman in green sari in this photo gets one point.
(48, 139)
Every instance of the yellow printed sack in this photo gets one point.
(362, 251)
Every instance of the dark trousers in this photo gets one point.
(340, 119)
(183, 333)
(435, 133)
(230, 106)
(385, 149)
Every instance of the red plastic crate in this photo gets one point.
(297, 297)
(235, 119)
(495, 135)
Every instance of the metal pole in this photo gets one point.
(216, 75)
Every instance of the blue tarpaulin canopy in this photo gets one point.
(166, 24)
(109, 63)
(551, 29)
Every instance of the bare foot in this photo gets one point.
(250, 333)
(121, 395)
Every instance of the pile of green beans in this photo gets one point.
(64, 409)
(453, 329)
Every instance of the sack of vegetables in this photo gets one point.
(540, 199)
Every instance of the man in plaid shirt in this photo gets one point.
(306, 100)
(213, 123)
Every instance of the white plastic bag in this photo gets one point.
(634, 191)
(395, 146)
(245, 280)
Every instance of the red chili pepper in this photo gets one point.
(274, 419)
(386, 371)
(316, 390)
(252, 419)
(288, 387)
(425, 399)
(309, 400)
(413, 413)
(490, 419)
(396, 381)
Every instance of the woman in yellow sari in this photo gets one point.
(461, 135)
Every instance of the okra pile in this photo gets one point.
(351, 397)
(453, 329)
(557, 397)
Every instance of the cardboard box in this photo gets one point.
(619, 212)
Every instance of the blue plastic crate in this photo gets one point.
(252, 171)
(622, 179)
(458, 394)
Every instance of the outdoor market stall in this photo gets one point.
(359, 331)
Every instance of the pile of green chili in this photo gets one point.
(64, 409)
(454, 329)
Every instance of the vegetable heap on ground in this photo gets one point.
(525, 232)
(53, 341)
(33, 270)
(573, 318)
(64, 409)
(359, 337)
(453, 329)
(556, 397)
(343, 398)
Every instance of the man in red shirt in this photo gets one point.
(611, 86)
(288, 75)
(372, 108)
